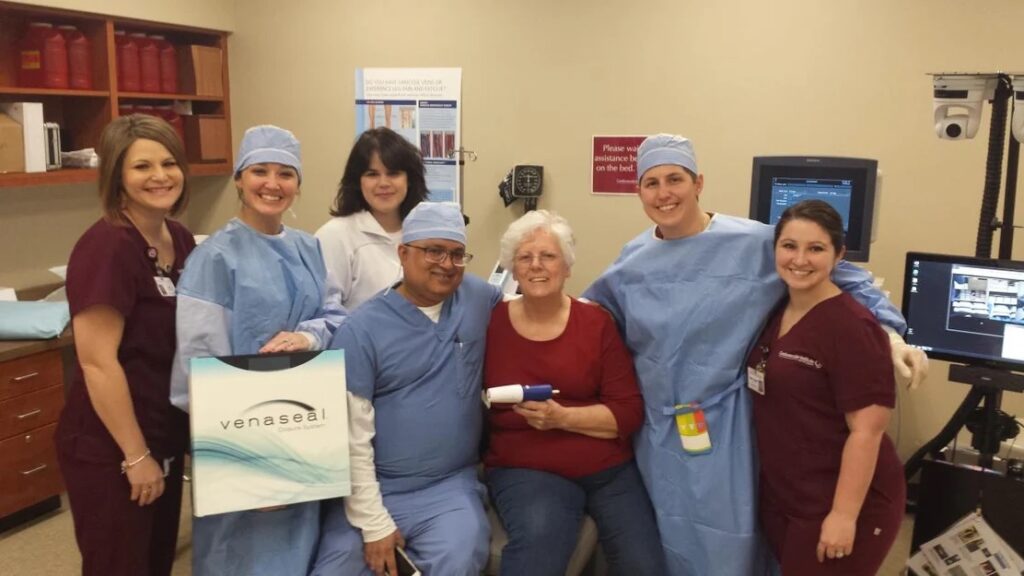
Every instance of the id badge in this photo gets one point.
(693, 429)
(755, 380)
(164, 285)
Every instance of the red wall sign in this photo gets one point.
(613, 165)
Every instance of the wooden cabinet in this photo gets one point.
(31, 397)
(82, 114)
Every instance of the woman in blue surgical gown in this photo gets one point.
(690, 296)
(256, 286)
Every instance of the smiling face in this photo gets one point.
(427, 283)
(669, 195)
(805, 256)
(151, 178)
(539, 265)
(266, 190)
(384, 189)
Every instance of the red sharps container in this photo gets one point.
(79, 58)
(43, 57)
(128, 75)
(149, 62)
(168, 65)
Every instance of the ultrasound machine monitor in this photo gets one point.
(848, 184)
(965, 310)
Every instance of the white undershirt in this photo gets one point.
(432, 312)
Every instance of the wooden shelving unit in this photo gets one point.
(82, 114)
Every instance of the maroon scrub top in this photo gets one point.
(112, 265)
(834, 360)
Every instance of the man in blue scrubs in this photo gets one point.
(414, 358)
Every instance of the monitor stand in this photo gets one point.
(987, 377)
(989, 426)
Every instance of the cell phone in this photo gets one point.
(404, 564)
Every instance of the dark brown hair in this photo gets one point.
(817, 211)
(115, 140)
(396, 153)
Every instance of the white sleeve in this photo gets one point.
(365, 507)
(204, 329)
(337, 257)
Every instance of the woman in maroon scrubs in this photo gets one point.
(821, 375)
(120, 442)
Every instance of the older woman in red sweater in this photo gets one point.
(549, 463)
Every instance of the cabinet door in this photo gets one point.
(28, 469)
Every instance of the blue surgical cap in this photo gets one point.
(268, 143)
(434, 220)
(665, 149)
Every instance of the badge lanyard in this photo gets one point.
(164, 285)
(755, 375)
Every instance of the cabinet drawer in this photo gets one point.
(28, 469)
(30, 373)
(31, 410)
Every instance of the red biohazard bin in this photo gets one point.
(79, 58)
(43, 59)
(128, 75)
(168, 65)
(149, 62)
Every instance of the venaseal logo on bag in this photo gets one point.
(286, 415)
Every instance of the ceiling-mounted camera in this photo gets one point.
(957, 103)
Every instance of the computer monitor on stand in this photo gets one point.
(970, 311)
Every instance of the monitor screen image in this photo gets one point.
(966, 310)
(848, 184)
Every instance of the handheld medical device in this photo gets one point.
(516, 393)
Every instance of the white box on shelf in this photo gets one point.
(30, 116)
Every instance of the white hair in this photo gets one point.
(531, 222)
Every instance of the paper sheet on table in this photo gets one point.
(971, 548)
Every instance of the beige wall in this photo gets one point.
(212, 14)
(741, 78)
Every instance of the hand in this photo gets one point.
(147, 481)
(546, 415)
(837, 534)
(286, 342)
(911, 363)
(379, 555)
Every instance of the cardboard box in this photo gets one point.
(30, 116)
(206, 138)
(200, 70)
(12, 145)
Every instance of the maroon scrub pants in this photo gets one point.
(115, 535)
(794, 541)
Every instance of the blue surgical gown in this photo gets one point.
(689, 310)
(239, 288)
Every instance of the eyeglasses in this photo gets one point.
(437, 255)
(526, 258)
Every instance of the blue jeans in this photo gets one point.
(542, 513)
